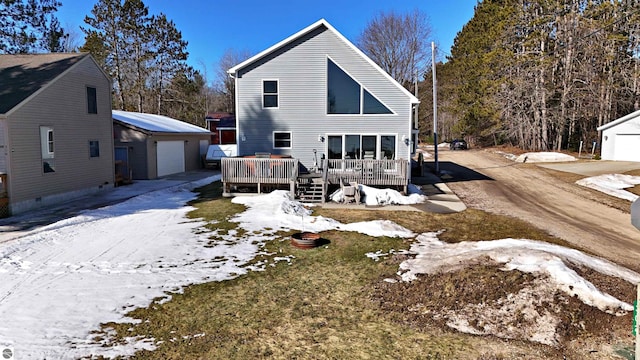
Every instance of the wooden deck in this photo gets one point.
(259, 172)
(266, 173)
(367, 172)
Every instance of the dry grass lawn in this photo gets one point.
(332, 302)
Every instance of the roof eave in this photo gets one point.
(233, 71)
(47, 85)
(322, 22)
(619, 121)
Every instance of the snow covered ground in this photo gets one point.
(60, 282)
(612, 184)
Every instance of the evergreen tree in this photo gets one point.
(28, 26)
(170, 55)
(478, 57)
(145, 56)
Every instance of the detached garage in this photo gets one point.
(149, 146)
(621, 138)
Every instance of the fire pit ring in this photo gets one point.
(305, 240)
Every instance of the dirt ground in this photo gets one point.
(523, 309)
(591, 221)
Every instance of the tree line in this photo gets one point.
(144, 54)
(537, 74)
(540, 74)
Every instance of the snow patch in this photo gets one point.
(533, 157)
(612, 184)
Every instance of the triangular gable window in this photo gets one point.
(371, 105)
(344, 94)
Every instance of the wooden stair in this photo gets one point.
(311, 190)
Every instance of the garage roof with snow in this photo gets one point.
(156, 123)
(621, 120)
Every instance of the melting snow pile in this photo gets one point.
(533, 157)
(612, 184)
(276, 211)
(375, 197)
(548, 261)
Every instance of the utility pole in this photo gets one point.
(435, 106)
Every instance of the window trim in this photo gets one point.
(98, 148)
(95, 100)
(273, 136)
(47, 148)
(362, 89)
(378, 152)
(277, 93)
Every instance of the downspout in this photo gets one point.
(236, 107)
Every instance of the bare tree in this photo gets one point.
(225, 85)
(398, 43)
(71, 41)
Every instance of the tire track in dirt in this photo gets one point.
(564, 210)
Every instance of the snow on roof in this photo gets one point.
(625, 118)
(159, 123)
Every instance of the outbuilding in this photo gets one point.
(149, 146)
(621, 138)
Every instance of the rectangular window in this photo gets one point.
(335, 146)
(388, 147)
(282, 140)
(94, 148)
(361, 146)
(270, 93)
(92, 100)
(47, 147)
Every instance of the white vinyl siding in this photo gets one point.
(301, 70)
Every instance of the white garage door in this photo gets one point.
(170, 157)
(627, 147)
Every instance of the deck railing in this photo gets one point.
(279, 171)
(367, 171)
(258, 171)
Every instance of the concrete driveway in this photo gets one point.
(594, 168)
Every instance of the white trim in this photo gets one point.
(323, 22)
(362, 89)
(277, 93)
(45, 130)
(378, 142)
(273, 136)
(620, 120)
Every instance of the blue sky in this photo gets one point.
(213, 26)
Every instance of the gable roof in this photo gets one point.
(23, 75)
(308, 29)
(633, 115)
(156, 123)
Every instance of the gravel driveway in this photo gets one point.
(490, 182)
